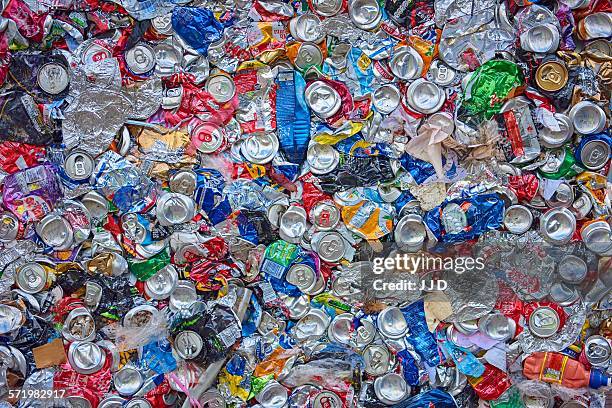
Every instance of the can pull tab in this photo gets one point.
(79, 166)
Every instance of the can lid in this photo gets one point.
(184, 182)
(79, 165)
(77, 401)
(53, 78)
(424, 96)
(311, 326)
(298, 306)
(127, 381)
(31, 277)
(86, 357)
(309, 54)
(330, 246)
(162, 284)
(207, 137)
(163, 24)
(325, 215)
(441, 73)
(391, 323)
(562, 197)
(188, 344)
(597, 350)
(293, 222)
(544, 322)
(595, 154)
(377, 359)
(563, 294)
(327, 399)
(551, 138)
(221, 87)
(551, 76)
(497, 326)
(302, 276)
(140, 59)
(9, 227)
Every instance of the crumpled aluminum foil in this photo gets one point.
(563, 338)
(100, 105)
(472, 294)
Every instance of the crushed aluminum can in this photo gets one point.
(542, 38)
(86, 357)
(10, 228)
(518, 219)
(163, 24)
(557, 225)
(32, 277)
(562, 197)
(183, 296)
(572, 269)
(174, 209)
(391, 323)
(410, 232)
(311, 326)
(127, 380)
(212, 399)
(563, 294)
(424, 96)
(293, 223)
(551, 76)
(112, 401)
(260, 148)
(322, 99)
(391, 389)
(441, 74)
(594, 152)
(497, 326)
(377, 360)
(597, 350)
(138, 402)
(183, 182)
(302, 276)
(273, 395)
(162, 284)
(386, 98)
(587, 118)
(582, 206)
(140, 59)
(406, 63)
(93, 295)
(544, 322)
(551, 138)
(322, 159)
(330, 246)
(308, 55)
(53, 78)
(79, 325)
(365, 14)
(79, 165)
(55, 231)
(327, 399)
(306, 28)
(221, 87)
(324, 215)
(327, 8)
(188, 344)
(597, 236)
(596, 25)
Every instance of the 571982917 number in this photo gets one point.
(36, 393)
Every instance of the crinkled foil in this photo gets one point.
(568, 334)
(342, 28)
(472, 294)
(99, 105)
